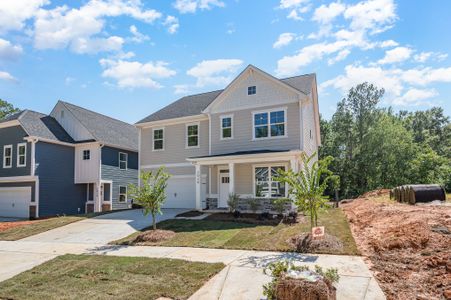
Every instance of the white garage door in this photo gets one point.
(15, 201)
(181, 192)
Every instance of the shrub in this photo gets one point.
(233, 202)
(279, 205)
(254, 204)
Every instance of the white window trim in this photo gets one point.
(18, 155)
(126, 160)
(119, 194)
(231, 126)
(186, 135)
(251, 87)
(4, 157)
(268, 111)
(269, 177)
(153, 139)
(83, 154)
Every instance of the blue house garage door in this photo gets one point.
(15, 202)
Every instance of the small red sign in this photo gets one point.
(318, 232)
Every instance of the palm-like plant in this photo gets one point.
(306, 187)
(151, 194)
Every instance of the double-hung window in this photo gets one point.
(226, 127)
(158, 139)
(270, 124)
(122, 193)
(8, 156)
(123, 158)
(266, 184)
(21, 155)
(192, 135)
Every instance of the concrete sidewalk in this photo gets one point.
(242, 278)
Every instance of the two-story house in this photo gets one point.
(69, 162)
(232, 141)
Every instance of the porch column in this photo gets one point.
(231, 178)
(98, 197)
(198, 187)
(294, 165)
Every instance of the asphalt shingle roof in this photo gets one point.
(194, 104)
(105, 129)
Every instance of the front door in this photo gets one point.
(224, 180)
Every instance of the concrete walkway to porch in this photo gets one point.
(242, 278)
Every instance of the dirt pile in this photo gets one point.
(304, 243)
(407, 247)
(298, 289)
(154, 236)
(8, 225)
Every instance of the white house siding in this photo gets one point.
(87, 171)
(309, 141)
(243, 131)
(73, 127)
(175, 150)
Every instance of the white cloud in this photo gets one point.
(424, 56)
(396, 55)
(69, 80)
(191, 6)
(284, 39)
(388, 43)
(9, 51)
(215, 72)
(79, 29)
(340, 56)
(373, 15)
(415, 97)
(172, 23)
(296, 7)
(292, 3)
(327, 13)
(14, 13)
(6, 76)
(138, 37)
(133, 74)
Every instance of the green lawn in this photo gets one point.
(38, 226)
(109, 277)
(235, 235)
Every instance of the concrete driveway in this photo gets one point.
(102, 229)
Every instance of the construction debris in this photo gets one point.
(407, 247)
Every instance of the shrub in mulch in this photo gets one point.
(305, 243)
(154, 236)
(298, 289)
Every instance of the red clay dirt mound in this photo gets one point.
(8, 225)
(304, 243)
(154, 236)
(407, 247)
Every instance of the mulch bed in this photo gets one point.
(271, 220)
(190, 214)
(154, 236)
(304, 243)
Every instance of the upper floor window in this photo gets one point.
(21, 155)
(86, 154)
(158, 139)
(269, 124)
(122, 193)
(192, 135)
(123, 157)
(251, 90)
(226, 127)
(8, 156)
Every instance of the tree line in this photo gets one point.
(377, 148)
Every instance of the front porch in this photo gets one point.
(249, 175)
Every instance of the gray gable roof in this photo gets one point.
(105, 129)
(42, 126)
(194, 104)
(12, 117)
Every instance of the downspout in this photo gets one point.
(99, 182)
(32, 173)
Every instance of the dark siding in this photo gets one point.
(111, 171)
(58, 193)
(21, 184)
(13, 136)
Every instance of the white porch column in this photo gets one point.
(98, 197)
(231, 178)
(198, 187)
(294, 165)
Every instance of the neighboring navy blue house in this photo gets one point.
(69, 162)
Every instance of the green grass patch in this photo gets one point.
(236, 235)
(38, 226)
(109, 277)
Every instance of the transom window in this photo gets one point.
(123, 157)
(266, 185)
(22, 155)
(86, 154)
(251, 90)
(192, 135)
(269, 124)
(226, 127)
(122, 194)
(158, 139)
(7, 156)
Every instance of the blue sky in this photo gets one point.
(127, 59)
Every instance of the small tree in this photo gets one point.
(306, 187)
(151, 194)
(232, 202)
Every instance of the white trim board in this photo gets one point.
(171, 165)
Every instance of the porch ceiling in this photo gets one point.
(246, 157)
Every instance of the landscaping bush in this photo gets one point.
(232, 202)
(254, 204)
